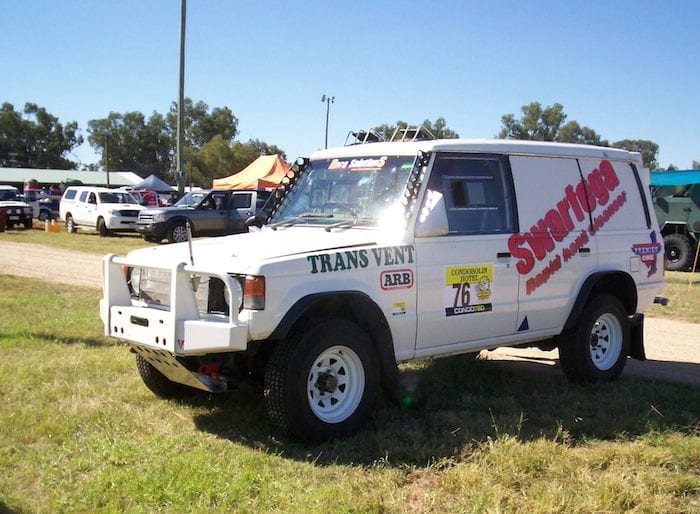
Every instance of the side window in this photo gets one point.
(92, 199)
(83, 196)
(70, 194)
(241, 200)
(477, 191)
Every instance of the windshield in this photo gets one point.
(359, 188)
(117, 197)
(191, 199)
(8, 194)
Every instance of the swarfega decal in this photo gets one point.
(570, 214)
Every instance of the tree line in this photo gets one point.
(144, 144)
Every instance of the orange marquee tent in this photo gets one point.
(265, 171)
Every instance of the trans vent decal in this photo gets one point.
(467, 289)
(595, 195)
(363, 258)
(647, 252)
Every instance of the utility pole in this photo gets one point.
(105, 157)
(329, 100)
(180, 156)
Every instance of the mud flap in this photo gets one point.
(168, 365)
(637, 337)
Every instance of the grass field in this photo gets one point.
(79, 432)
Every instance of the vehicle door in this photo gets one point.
(241, 209)
(80, 210)
(466, 283)
(212, 214)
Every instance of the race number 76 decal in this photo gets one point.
(468, 289)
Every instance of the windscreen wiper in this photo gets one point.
(351, 223)
(297, 219)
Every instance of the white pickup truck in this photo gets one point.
(381, 253)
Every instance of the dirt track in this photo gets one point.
(672, 347)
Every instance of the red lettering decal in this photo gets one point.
(527, 260)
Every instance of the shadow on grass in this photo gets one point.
(58, 338)
(456, 403)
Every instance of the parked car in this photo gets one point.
(381, 253)
(677, 204)
(44, 207)
(99, 208)
(16, 212)
(209, 213)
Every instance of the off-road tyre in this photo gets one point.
(679, 252)
(177, 233)
(102, 227)
(596, 349)
(71, 228)
(159, 384)
(322, 381)
(44, 215)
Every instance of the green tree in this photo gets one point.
(131, 142)
(37, 139)
(696, 165)
(438, 129)
(647, 148)
(201, 125)
(537, 123)
(572, 132)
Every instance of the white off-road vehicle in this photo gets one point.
(380, 253)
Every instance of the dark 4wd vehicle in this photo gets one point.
(677, 203)
(210, 213)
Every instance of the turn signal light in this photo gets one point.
(254, 293)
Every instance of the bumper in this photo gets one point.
(120, 223)
(154, 230)
(180, 329)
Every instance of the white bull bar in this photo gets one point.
(181, 329)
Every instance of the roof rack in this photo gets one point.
(362, 137)
(410, 133)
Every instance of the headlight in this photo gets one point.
(159, 217)
(134, 280)
(27, 210)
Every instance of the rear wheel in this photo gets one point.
(71, 228)
(44, 215)
(597, 349)
(177, 233)
(678, 252)
(322, 381)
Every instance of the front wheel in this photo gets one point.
(102, 228)
(177, 233)
(158, 383)
(322, 381)
(597, 349)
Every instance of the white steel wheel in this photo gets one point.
(606, 342)
(335, 384)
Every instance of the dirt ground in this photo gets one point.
(672, 347)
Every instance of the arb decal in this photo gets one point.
(467, 289)
(396, 279)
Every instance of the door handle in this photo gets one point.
(503, 255)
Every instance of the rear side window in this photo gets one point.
(70, 194)
(241, 200)
(612, 189)
(477, 191)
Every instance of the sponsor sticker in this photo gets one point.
(468, 289)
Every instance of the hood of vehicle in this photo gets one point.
(122, 206)
(237, 252)
(13, 203)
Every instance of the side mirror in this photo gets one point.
(432, 219)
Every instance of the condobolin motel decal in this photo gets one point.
(594, 195)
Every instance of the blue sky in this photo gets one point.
(627, 69)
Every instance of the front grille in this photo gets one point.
(127, 213)
(146, 217)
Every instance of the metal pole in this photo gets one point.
(329, 100)
(180, 171)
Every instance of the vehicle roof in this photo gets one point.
(98, 189)
(503, 146)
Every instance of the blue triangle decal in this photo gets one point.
(524, 325)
